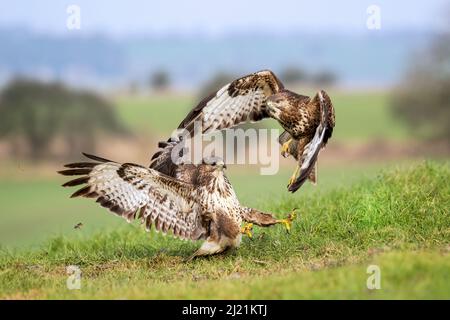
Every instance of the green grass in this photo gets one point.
(34, 208)
(155, 114)
(364, 116)
(398, 220)
(360, 116)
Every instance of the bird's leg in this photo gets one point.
(247, 229)
(294, 175)
(285, 148)
(288, 220)
(210, 246)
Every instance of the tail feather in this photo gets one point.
(321, 136)
(313, 175)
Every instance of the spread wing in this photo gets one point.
(133, 191)
(323, 132)
(163, 161)
(242, 100)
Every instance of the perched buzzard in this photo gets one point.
(308, 122)
(191, 201)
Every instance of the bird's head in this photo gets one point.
(214, 164)
(211, 174)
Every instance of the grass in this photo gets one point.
(155, 114)
(363, 116)
(360, 116)
(398, 220)
(35, 207)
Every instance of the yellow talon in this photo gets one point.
(285, 148)
(288, 221)
(291, 180)
(294, 176)
(247, 229)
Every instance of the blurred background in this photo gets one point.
(113, 79)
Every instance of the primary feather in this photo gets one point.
(133, 191)
(308, 122)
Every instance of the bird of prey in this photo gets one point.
(308, 122)
(193, 202)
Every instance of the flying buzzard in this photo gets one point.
(308, 122)
(191, 201)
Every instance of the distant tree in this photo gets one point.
(133, 87)
(422, 99)
(293, 75)
(324, 78)
(160, 80)
(40, 112)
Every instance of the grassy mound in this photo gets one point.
(399, 221)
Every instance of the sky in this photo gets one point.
(217, 17)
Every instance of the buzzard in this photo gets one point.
(308, 122)
(192, 202)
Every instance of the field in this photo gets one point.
(359, 115)
(398, 220)
(391, 214)
(53, 213)
(23, 187)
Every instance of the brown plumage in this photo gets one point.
(197, 202)
(308, 122)
(192, 202)
(310, 130)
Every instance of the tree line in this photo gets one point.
(34, 114)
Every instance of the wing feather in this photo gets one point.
(242, 100)
(133, 191)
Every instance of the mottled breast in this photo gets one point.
(219, 195)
